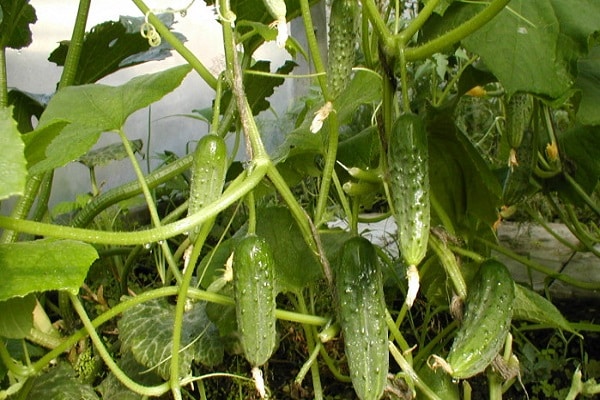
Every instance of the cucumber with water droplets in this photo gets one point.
(359, 288)
(255, 293)
(486, 323)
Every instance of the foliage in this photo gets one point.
(102, 303)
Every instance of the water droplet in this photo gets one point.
(147, 246)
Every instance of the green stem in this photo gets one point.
(166, 34)
(150, 203)
(3, 79)
(404, 81)
(410, 372)
(75, 46)
(21, 209)
(406, 35)
(385, 36)
(108, 360)
(7, 360)
(448, 261)
(232, 194)
(397, 335)
(330, 160)
(310, 342)
(457, 34)
(313, 46)
(584, 196)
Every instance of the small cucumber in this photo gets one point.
(408, 163)
(359, 288)
(518, 181)
(208, 174)
(519, 110)
(254, 292)
(342, 41)
(486, 323)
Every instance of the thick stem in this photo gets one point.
(75, 46)
(3, 79)
(330, 159)
(313, 46)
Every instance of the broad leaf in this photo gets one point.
(44, 265)
(147, 331)
(113, 45)
(26, 106)
(93, 109)
(16, 317)
(530, 306)
(17, 15)
(533, 45)
(60, 383)
(579, 145)
(112, 389)
(295, 264)
(460, 179)
(588, 82)
(13, 167)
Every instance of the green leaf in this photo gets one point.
(588, 82)
(460, 179)
(26, 106)
(530, 306)
(579, 145)
(113, 45)
(94, 108)
(112, 152)
(38, 140)
(44, 265)
(60, 383)
(112, 389)
(16, 317)
(147, 331)
(295, 264)
(14, 26)
(533, 45)
(13, 171)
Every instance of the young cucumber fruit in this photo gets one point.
(342, 40)
(361, 303)
(408, 165)
(208, 174)
(486, 322)
(519, 178)
(519, 110)
(255, 293)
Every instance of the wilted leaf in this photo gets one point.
(147, 331)
(17, 15)
(44, 265)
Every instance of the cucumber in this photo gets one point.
(518, 181)
(408, 168)
(362, 309)
(486, 323)
(278, 11)
(254, 294)
(342, 42)
(519, 110)
(208, 175)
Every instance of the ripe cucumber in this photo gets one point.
(361, 303)
(208, 175)
(408, 163)
(342, 41)
(254, 292)
(486, 323)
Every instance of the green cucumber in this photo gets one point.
(519, 178)
(276, 8)
(519, 110)
(408, 163)
(208, 175)
(362, 309)
(486, 323)
(342, 42)
(254, 293)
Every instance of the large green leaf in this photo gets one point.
(94, 108)
(533, 45)
(147, 331)
(14, 25)
(16, 317)
(460, 179)
(530, 306)
(43, 265)
(588, 82)
(60, 383)
(13, 167)
(579, 145)
(113, 45)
